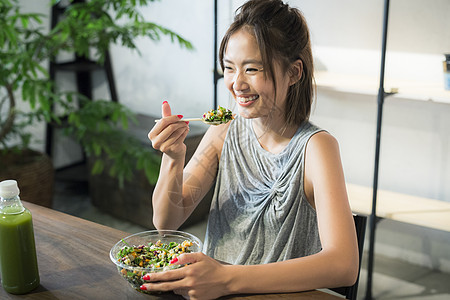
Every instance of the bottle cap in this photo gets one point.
(9, 188)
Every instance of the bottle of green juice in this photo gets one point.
(18, 263)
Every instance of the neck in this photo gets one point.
(273, 136)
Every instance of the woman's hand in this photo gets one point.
(169, 133)
(203, 278)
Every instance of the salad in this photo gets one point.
(140, 260)
(220, 115)
(156, 255)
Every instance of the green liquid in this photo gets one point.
(18, 262)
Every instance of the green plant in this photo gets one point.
(87, 27)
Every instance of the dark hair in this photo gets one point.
(281, 33)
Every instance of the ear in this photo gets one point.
(295, 72)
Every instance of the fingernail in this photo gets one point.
(146, 277)
(180, 116)
(165, 102)
(143, 288)
(174, 260)
(187, 122)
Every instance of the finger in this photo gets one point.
(164, 281)
(173, 140)
(160, 286)
(182, 136)
(166, 111)
(163, 124)
(189, 258)
(166, 276)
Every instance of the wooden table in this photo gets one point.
(73, 259)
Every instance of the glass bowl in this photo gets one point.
(134, 274)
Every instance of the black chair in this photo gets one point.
(350, 292)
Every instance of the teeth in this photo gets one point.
(244, 100)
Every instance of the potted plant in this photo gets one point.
(99, 126)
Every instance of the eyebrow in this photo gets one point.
(246, 62)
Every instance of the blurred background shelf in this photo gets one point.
(368, 85)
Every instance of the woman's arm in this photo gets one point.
(179, 191)
(335, 265)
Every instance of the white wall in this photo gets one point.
(415, 135)
(164, 71)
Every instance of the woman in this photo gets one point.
(280, 219)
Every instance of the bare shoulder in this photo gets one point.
(322, 141)
(323, 166)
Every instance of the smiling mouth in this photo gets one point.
(246, 99)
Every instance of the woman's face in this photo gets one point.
(244, 76)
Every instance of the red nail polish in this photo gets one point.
(143, 288)
(146, 277)
(187, 122)
(165, 102)
(174, 260)
(180, 116)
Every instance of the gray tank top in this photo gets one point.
(259, 212)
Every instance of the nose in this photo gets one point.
(239, 82)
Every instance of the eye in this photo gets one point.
(228, 69)
(252, 71)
